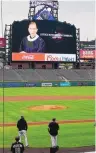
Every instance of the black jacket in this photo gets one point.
(22, 125)
(53, 128)
(17, 147)
(36, 46)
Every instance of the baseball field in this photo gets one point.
(73, 107)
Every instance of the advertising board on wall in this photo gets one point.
(29, 84)
(88, 54)
(28, 57)
(2, 42)
(43, 57)
(61, 57)
(63, 84)
(46, 84)
(12, 84)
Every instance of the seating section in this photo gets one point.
(46, 75)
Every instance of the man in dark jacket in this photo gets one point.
(17, 147)
(22, 128)
(53, 128)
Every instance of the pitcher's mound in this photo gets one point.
(47, 107)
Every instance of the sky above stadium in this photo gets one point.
(80, 13)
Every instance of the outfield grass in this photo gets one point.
(88, 90)
(70, 135)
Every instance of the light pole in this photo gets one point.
(1, 12)
(1, 17)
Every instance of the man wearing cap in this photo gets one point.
(17, 147)
(22, 128)
(53, 128)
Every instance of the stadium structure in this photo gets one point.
(67, 62)
(44, 12)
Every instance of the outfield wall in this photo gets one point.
(47, 84)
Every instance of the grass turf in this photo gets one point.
(88, 90)
(78, 109)
(70, 135)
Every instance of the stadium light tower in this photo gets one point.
(8, 37)
(31, 10)
(50, 5)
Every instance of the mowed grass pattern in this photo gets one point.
(78, 109)
(49, 91)
(70, 135)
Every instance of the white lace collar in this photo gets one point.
(32, 39)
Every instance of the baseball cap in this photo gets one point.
(54, 119)
(17, 138)
(22, 117)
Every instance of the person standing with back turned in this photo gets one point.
(17, 147)
(22, 128)
(53, 128)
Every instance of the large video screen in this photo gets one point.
(43, 40)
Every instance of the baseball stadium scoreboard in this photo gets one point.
(59, 37)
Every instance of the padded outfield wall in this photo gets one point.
(47, 84)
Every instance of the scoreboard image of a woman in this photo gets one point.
(33, 43)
